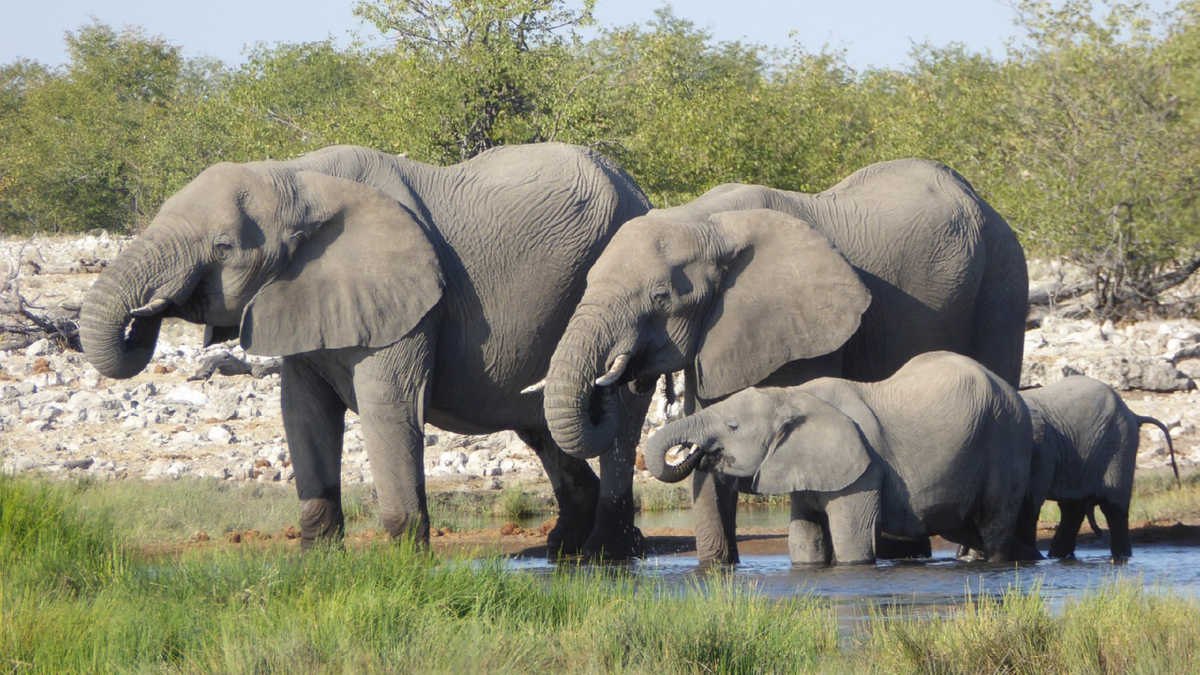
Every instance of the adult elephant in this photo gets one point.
(405, 292)
(748, 285)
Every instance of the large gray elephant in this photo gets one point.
(1085, 451)
(405, 292)
(748, 285)
(942, 447)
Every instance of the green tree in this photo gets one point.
(72, 156)
(1106, 166)
(466, 75)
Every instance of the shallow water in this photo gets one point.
(914, 587)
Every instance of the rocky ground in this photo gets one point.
(184, 418)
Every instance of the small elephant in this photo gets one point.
(752, 286)
(1085, 442)
(940, 448)
(405, 292)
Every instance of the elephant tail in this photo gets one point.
(1170, 446)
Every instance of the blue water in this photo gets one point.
(925, 587)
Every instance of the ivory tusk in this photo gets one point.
(535, 387)
(614, 373)
(153, 307)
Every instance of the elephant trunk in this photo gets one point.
(582, 415)
(123, 312)
(671, 454)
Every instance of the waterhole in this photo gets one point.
(923, 588)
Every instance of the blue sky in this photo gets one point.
(872, 32)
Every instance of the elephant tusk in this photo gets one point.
(614, 373)
(153, 307)
(535, 387)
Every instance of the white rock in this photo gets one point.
(220, 434)
(39, 348)
(82, 400)
(133, 423)
(452, 458)
(183, 394)
(185, 438)
(47, 379)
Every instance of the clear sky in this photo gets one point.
(872, 32)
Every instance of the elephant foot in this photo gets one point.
(624, 542)
(1023, 551)
(321, 520)
(717, 556)
(568, 537)
(412, 527)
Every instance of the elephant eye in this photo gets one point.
(732, 424)
(222, 247)
(660, 295)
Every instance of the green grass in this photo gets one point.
(76, 600)
(1118, 628)
(1156, 496)
(73, 598)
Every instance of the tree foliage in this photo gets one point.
(1082, 134)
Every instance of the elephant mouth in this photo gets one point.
(679, 455)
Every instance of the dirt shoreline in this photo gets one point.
(518, 543)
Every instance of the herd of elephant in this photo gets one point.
(858, 348)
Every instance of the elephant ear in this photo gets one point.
(816, 447)
(787, 294)
(364, 274)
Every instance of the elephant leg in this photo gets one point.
(997, 533)
(854, 524)
(1024, 545)
(615, 537)
(576, 489)
(714, 502)
(1117, 516)
(391, 388)
(808, 536)
(1073, 512)
(314, 421)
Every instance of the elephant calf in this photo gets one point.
(943, 447)
(1085, 442)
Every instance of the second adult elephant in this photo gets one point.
(405, 292)
(748, 285)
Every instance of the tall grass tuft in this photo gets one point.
(47, 545)
(1124, 628)
(1010, 633)
(1119, 628)
(516, 504)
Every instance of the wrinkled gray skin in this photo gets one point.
(940, 448)
(405, 292)
(1085, 451)
(749, 285)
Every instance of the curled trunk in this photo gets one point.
(670, 454)
(117, 342)
(582, 417)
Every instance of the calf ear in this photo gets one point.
(364, 275)
(788, 294)
(816, 447)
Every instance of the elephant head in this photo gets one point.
(733, 294)
(291, 260)
(779, 443)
